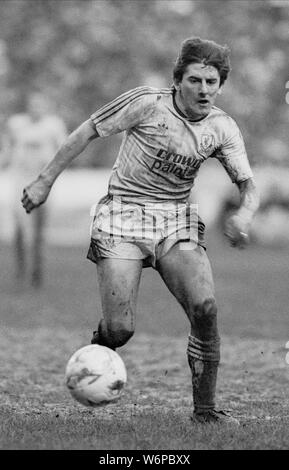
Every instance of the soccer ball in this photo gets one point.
(95, 375)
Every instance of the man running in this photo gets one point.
(146, 220)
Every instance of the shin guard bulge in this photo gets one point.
(204, 358)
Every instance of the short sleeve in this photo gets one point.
(232, 153)
(125, 112)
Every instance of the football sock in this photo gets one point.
(204, 358)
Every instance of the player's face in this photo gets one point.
(198, 90)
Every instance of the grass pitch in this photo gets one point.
(41, 329)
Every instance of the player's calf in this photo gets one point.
(204, 354)
(203, 358)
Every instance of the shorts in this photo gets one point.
(145, 231)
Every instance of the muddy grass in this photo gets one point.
(37, 411)
(39, 330)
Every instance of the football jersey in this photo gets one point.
(162, 150)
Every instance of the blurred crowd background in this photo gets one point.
(83, 53)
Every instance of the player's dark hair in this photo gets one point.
(196, 50)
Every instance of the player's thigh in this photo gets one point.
(188, 275)
(118, 281)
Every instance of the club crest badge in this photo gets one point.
(163, 126)
(207, 144)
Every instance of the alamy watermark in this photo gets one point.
(134, 221)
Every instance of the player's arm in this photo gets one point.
(233, 157)
(238, 225)
(124, 112)
(37, 192)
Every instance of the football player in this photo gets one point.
(145, 219)
(30, 139)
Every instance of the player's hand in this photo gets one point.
(35, 194)
(236, 230)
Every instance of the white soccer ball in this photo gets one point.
(95, 375)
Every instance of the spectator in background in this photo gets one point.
(30, 140)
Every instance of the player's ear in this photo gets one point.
(220, 90)
(176, 84)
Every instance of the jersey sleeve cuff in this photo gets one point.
(97, 128)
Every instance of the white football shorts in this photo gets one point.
(144, 231)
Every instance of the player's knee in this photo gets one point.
(205, 316)
(206, 310)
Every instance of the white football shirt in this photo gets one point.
(162, 150)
